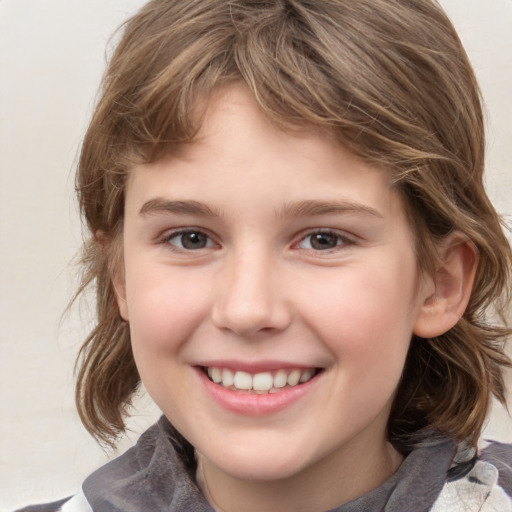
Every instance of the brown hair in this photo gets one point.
(390, 79)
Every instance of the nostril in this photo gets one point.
(248, 300)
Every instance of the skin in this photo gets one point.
(259, 292)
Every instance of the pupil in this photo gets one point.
(323, 241)
(193, 240)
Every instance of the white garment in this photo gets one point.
(478, 491)
(77, 503)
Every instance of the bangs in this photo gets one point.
(302, 65)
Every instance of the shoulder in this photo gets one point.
(486, 488)
(500, 456)
(77, 503)
(149, 474)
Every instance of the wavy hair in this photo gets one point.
(392, 82)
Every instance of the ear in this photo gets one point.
(119, 284)
(452, 284)
(116, 268)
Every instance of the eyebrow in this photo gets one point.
(314, 208)
(160, 205)
(296, 209)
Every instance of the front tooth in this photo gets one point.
(293, 378)
(242, 380)
(306, 376)
(227, 378)
(216, 375)
(280, 379)
(262, 381)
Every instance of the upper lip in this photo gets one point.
(254, 366)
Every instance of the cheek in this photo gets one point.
(164, 313)
(365, 316)
(164, 308)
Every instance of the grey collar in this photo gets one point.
(153, 477)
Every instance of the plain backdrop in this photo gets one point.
(52, 54)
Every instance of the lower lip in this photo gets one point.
(252, 404)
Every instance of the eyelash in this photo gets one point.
(340, 239)
(180, 233)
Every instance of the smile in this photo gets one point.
(259, 383)
(258, 389)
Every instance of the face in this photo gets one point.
(271, 289)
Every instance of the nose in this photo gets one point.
(250, 298)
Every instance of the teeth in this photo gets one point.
(280, 379)
(293, 378)
(216, 375)
(262, 382)
(265, 382)
(242, 380)
(306, 376)
(227, 378)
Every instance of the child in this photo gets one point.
(292, 249)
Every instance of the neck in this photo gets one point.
(336, 479)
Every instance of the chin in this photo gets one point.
(260, 465)
(263, 471)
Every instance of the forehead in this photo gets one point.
(241, 158)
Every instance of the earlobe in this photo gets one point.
(453, 283)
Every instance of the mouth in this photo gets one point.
(268, 382)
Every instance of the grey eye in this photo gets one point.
(194, 240)
(322, 241)
(190, 240)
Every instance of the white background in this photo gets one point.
(51, 59)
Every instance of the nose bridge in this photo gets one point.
(248, 298)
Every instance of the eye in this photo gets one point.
(189, 240)
(323, 241)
